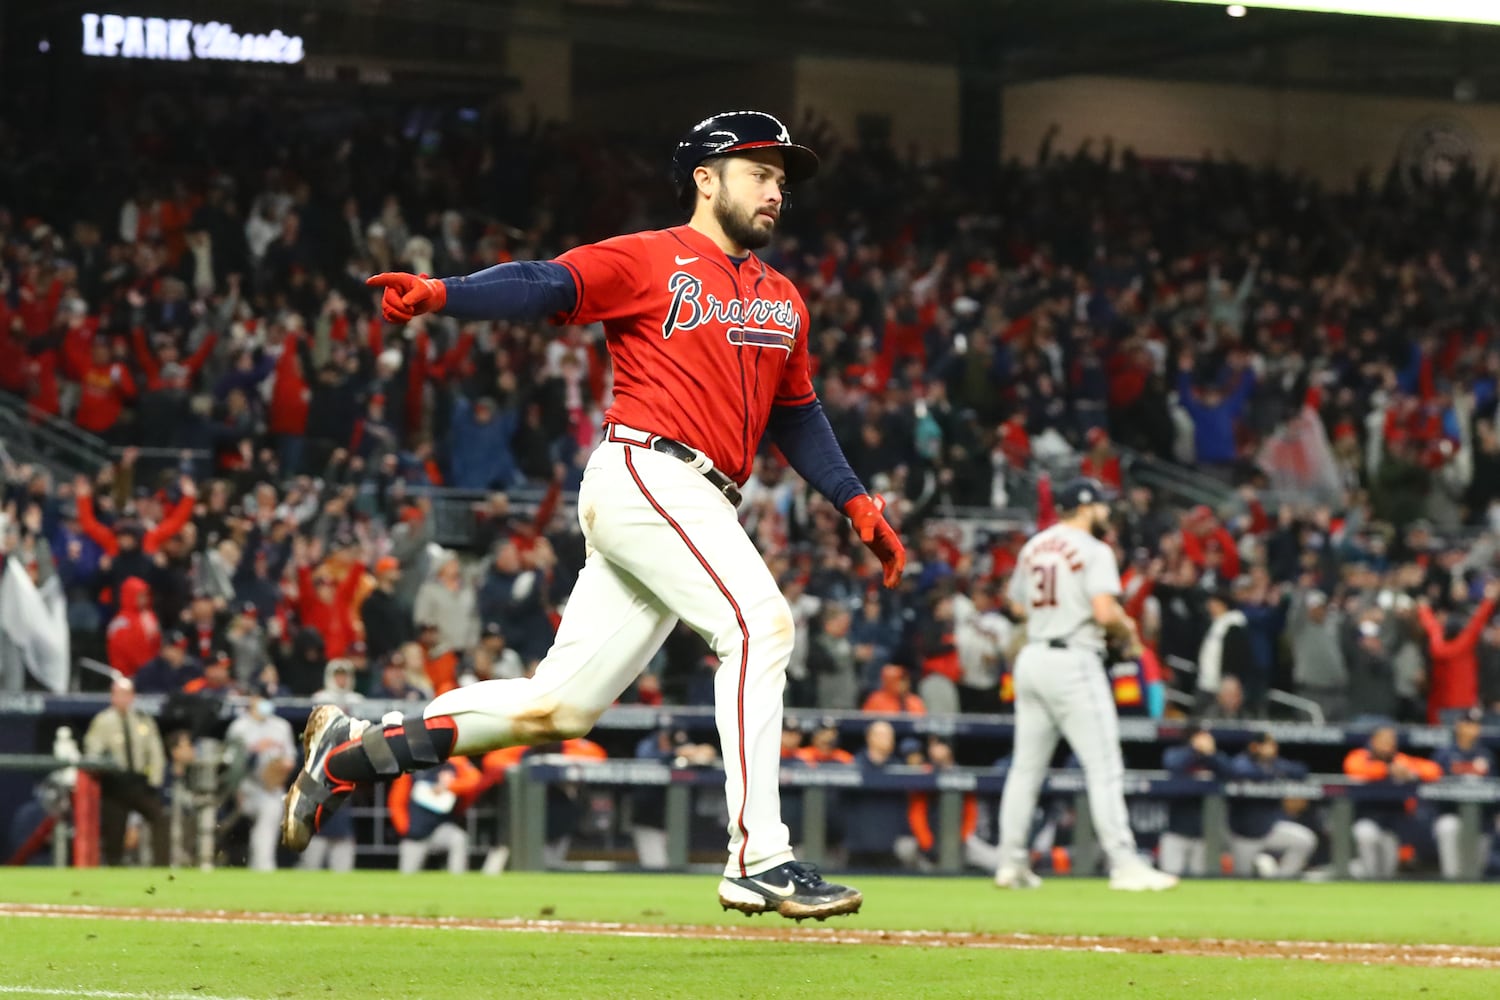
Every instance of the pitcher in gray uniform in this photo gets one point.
(1067, 587)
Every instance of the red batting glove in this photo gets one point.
(407, 295)
(878, 535)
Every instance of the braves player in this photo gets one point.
(1067, 586)
(710, 354)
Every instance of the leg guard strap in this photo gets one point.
(382, 758)
(419, 742)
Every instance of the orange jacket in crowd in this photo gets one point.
(1455, 669)
(497, 762)
(465, 781)
(1360, 764)
(812, 756)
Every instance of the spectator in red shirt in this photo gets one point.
(1202, 532)
(326, 604)
(1454, 685)
(894, 694)
(134, 637)
(104, 387)
(153, 537)
(1101, 461)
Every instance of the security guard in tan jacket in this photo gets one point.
(132, 741)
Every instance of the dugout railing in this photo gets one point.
(528, 783)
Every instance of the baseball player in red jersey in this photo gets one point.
(710, 355)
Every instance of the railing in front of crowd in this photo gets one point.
(824, 786)
(515, 822)
(35, 437)
(72, 707)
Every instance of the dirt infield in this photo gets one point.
(1427, 955)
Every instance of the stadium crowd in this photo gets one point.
(1329, 360)
(264, 525)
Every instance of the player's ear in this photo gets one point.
(705, 176)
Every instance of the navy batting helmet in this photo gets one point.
(1077, 492)
(735, 132)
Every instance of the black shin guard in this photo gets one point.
(384, 752)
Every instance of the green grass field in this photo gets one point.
(126, 959)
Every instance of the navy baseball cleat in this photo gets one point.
(315, 796)
(794, 890)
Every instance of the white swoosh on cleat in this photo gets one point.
(776, 889)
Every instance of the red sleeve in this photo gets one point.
(795, 387)
(75, 356)
(1469, 637)
(1231, 554)
(1135, 606)
(124, 384)
(91, 527)
(169, 526)
(916, 818)
(971, 816)
(349, 586)
(1046, 507)
(286, 364)
(199, 357)
(118, 644)
(143, 356)
(453, 357)
(467, 779)
(307, 594)
(398, 801)
(611, 278)
(546, 509)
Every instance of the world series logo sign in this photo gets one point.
(178, 39)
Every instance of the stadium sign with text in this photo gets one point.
(178, 39)
(1462, 11)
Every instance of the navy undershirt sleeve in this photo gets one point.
(806, 439)
(519, 290)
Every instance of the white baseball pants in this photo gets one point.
(337, 854)
(1179, 855)
(1065, 693)
(663, 545)
(411, 855)
(1292, 843)
(1446, 830)
(263, 806)
(1377, 849)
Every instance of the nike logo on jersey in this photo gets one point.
(684, 260)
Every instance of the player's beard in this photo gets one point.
(1099, 526)
(741, 225)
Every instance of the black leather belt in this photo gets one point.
(1058, 643)
(682, 453)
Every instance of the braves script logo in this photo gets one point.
(748, 322)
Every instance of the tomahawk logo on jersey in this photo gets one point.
(703, 345)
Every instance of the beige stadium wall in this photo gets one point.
(920, 100)
(1329, 135)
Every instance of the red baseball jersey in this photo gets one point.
(702, 348)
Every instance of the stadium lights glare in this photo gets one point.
(1463, 11)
